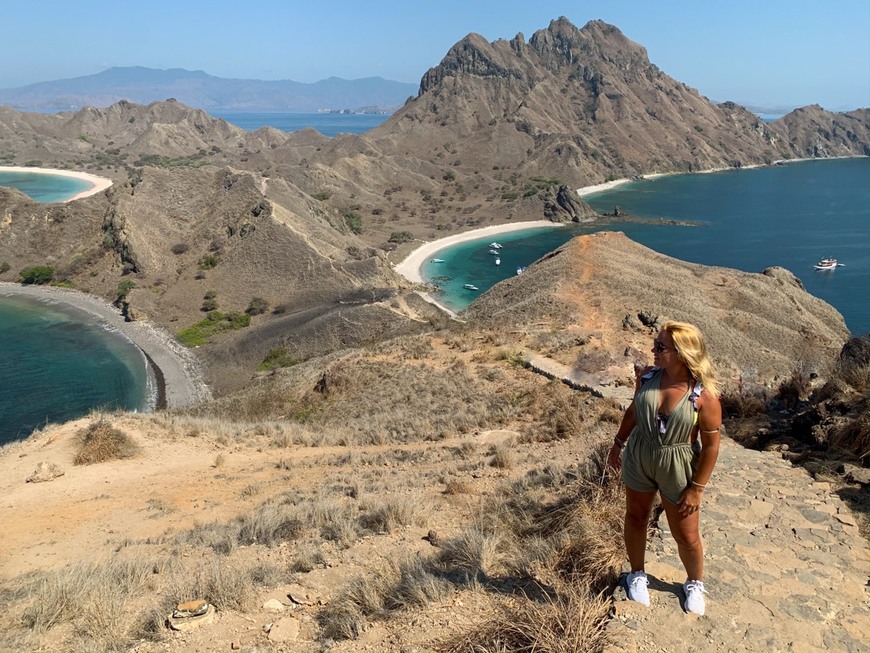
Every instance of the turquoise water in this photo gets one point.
(57, 363)
(44, 187)
(328, 124)
(789, 216)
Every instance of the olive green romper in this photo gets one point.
(660, 455)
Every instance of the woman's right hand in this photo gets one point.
(614, 457)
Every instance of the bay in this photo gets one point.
(57, 363)
(789, 216)
(44, 187)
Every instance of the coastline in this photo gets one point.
(410, 267)
(98, 184)
(176, 370)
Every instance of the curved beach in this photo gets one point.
(176, 369)
(410, 267)
(98, 184)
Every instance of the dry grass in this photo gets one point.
(100, 442)
(375, 594)
(570, 621)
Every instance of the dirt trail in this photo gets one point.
(786, 568)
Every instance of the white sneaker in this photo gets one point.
(694, 590)
(636, 587)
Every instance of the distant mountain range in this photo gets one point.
(203, 91)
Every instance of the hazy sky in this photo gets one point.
(761, 52)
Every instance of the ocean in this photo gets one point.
(57, 363)
(789, 216)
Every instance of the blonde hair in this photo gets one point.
(689, 343)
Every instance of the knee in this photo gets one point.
(690, 540)
(637, 518)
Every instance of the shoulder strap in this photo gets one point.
(696, 394)
(646, 377)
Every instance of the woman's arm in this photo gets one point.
(709, 426)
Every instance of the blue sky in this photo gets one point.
(760, 52)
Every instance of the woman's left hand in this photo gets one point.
(690, 500)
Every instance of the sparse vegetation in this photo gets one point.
(214, 323)
(124, 288)
(354, 221)
(101, 442)
(401, 237)
(258, 306)
(180, 248)
(278, 357)
(38, 275)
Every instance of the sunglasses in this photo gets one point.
(659, 348)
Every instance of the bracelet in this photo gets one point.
(619, 443)
(713, 431)
(699, 485)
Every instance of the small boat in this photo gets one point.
(494, 252)
(827, 264)
(437, 260)
(495, 245)
(520, 270)
(469, 286)
(498, 261)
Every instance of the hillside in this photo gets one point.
(370, 474)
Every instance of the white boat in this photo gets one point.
(494, 252)
(495, 245)
(520, 270)
(437, 260)
(498, 261)
(469, 286)
(827, 264)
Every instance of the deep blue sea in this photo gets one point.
(789, 216)
(57, 363)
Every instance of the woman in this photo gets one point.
(672, 431)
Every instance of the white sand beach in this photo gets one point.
(98, 183)
(177, 369)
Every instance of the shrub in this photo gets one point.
(37, 275)
(100, 442)
(4, 267)
(215, 322)
(278, 357)
(124, 288)
(209, 301)
(258, 306)
(401, 237)
(510, 196)
(322, 196)
(208, 261)
(180, 248)
(353, 221)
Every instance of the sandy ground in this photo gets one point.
(176, 367)
(98, 183)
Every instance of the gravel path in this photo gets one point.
(176, 369)
(786, 568)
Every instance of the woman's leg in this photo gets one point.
(638, 506)
(689, 545)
